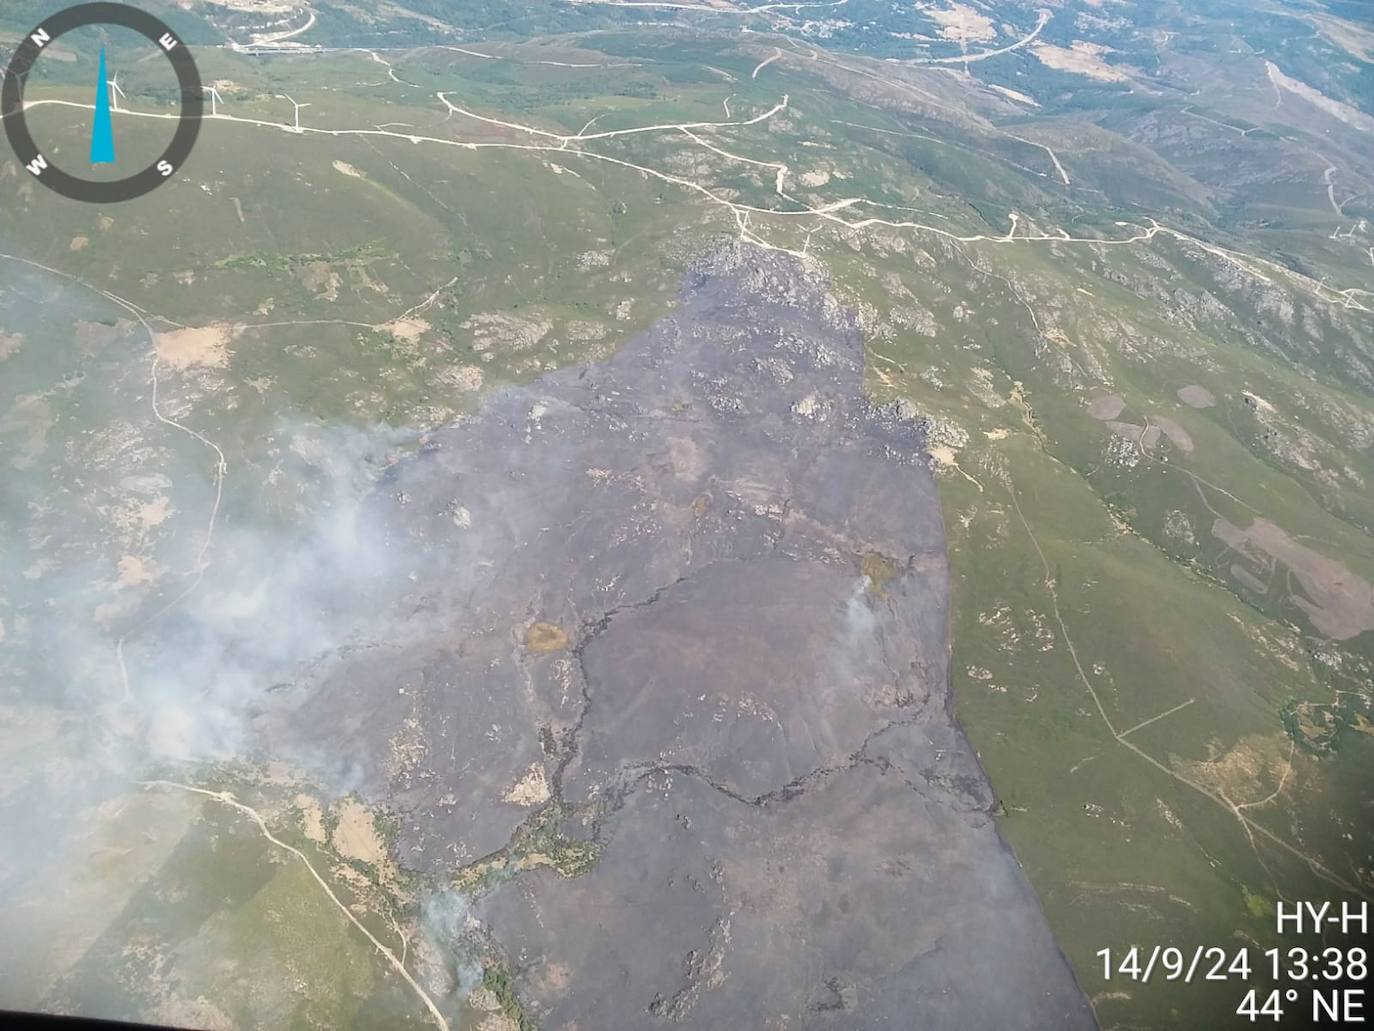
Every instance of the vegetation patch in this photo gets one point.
(546, 637)
(880, 571)
(496, 978)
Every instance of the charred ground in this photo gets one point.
(671, 641)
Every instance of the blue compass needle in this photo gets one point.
(102, 133)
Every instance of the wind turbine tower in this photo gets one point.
(296, 111)
(115, 92)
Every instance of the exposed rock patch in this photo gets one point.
(9, 344)
(204, 346)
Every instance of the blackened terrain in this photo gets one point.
(665, 682)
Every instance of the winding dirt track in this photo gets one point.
(1250, 826)
(1251, 265)
(226, 798)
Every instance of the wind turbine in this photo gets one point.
(22, 78)
(115, 92)
(215, 98)
(297, 110)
